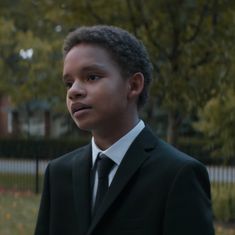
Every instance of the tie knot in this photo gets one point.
(104, 166)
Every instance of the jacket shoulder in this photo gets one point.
(69, 157)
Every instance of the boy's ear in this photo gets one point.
(135, 86)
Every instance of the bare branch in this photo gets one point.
(90, 9)
(198, 25)
(204, 60)
(175, 51)
(215, 15)
(132, 16)
(146, 23)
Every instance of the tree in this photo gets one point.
(217, 122)
(189, 42)
(189, 45)
(30, 52)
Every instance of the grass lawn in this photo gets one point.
(20, 182)
(18, 213)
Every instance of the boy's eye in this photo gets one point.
(68, 84)
(93, 77)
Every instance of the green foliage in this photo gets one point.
(188, 49)
(195, 147)
(27, 77)
(21, 182)
(217, 122)
(223, 201)
(190, 44)
(7, 30)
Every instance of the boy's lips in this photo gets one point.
(76, 107)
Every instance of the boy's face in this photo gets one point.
(97, 95)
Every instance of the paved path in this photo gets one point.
(221, 174)
(22, 166)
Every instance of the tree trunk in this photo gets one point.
(16, 130)
(174, 122)
(4, 105)
(47, 122)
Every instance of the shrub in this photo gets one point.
(223, 201)
(42, 148)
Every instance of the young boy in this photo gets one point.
(150, 187)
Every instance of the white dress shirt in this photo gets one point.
(115, 152)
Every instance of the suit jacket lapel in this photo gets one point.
(81, 186)
(135, 156)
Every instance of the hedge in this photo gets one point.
(41, 148)
(52, 148)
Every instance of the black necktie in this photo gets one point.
(104, 166)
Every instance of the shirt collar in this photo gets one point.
(117, 151)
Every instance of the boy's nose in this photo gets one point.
(76, 91)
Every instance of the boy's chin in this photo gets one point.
(83, 126)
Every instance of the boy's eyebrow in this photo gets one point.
(85, 69)
(93, 67)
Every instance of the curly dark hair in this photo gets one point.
(125, 49)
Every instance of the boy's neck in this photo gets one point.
(105, 138)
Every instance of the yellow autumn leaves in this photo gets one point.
(18, 213)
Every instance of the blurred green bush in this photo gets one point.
(223, 202)
(52, 148)
(41, 148)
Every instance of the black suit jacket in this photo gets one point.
(157, 190)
